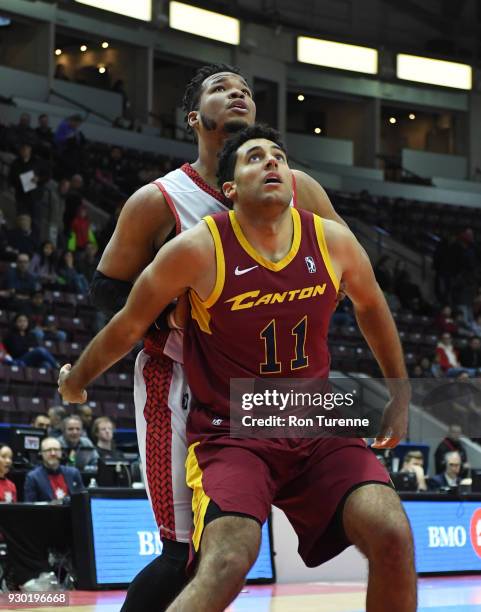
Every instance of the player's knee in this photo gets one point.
(233, 566)
(392, 546)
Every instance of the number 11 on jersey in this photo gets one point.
(272, 365)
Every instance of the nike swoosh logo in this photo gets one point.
(238, 272)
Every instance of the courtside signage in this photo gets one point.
(126, 539)
(447, 535)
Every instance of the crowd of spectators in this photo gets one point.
(69, 453)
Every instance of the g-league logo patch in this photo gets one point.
(311, 266)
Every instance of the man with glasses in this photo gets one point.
(51, 481)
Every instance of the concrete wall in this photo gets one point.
(105, 102)
(434, 164)
(15, 82)
(320, 149)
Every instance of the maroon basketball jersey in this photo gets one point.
(263, 319)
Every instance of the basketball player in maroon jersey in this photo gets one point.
(217, 102)
(265, 245)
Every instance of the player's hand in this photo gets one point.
(68, 392)
(394, 423)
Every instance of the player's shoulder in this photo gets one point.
(196, 240)
(336, 235)
(146, 206)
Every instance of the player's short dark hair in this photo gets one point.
(193, 90)
(228, 155)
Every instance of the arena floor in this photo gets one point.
(460, 594)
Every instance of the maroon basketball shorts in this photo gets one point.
(308, 479)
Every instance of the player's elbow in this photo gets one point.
(108, 294)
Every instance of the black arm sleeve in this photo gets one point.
(108, 294)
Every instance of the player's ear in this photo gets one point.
(229, 189)
(193, 119)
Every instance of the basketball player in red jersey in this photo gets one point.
(235, 481)
(217, 102)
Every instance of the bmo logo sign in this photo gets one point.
(455, 536)
(447, 537)
(476, 532)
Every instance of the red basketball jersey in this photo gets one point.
(263, 319)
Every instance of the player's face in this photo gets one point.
(225, 104)
(262, 174)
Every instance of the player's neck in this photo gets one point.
(270, 233)
(207, 161)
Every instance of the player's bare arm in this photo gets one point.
(311, 196)
(142, 227)
(377, 325)
(186, 262)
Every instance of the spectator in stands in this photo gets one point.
(61, 73)
(81, 231)
(413, 462)
(56, 414)
(445, 321)
(103, 431)
(403, 286)
(44, 136)
(463, 328)
(20, 283)
(22, 239)
(88, 261)
(52, 205)
(476, 326)
(79, 449)
(44, 265)
(41, 421)
(119, 87)
(24, 177)
(43, 324)
(68, 277)
(73, 202)
(23, 346)
(70, 143)
(23, 131)
(448, 356)
(51, 481)
(470, 356)
(450, 477)
(8, 490)
(86, 416)
(68, 133)
(452, 442)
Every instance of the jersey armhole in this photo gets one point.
(171, 205)
(220, 263)
(321, 241)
